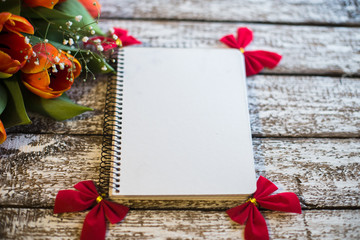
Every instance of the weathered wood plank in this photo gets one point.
(305, 49)
(43, 224)
(322, 172)
(279, 11)
(278, 105)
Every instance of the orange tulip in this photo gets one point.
(41, 3)
(2, 133)
(51, 72)
(93, 7)
(14, 51)
(15, 24)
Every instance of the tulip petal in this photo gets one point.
(38, 83)
(92, 6)
(8, 66)
(20, 25)
(41, 3)
(45, 57)
(4, 16)
(2, 133)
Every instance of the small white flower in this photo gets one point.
(115, 37)
(27, 40)
(46, 40)
(69, 52)
(57, 59)
(100, 48)
(71, 41)
(90, 27)
(97, 41)
(62, 66)
(85, 39)
(78, 18)
(37, 62)
(77, 37)
(65, 42)
(111, 30)
(54, 69)
(92, 32)
(34, 54)
(69, 23)
(26, 57)
(104, 68)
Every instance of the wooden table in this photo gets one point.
(305, 119)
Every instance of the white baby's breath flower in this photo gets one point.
(111, 30)
(34, 54)
(100, 48)
(115, 37)
(104, 68)
(77, 37)
(85, 39)
(57, 59)
(71, 41)
(37, 63)
(62, 66)
(46, 40)
(27, 40)
(78, 18)
(92, 32)
(97, 41)
(26, 57)
(54, 69)
(65, 42)
(69, 23)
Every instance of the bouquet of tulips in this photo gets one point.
(44, 46)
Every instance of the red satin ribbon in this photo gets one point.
(255, 61)
(94, 227)
(248, 212)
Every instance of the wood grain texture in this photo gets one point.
(26, 223)
(35, 167)
(305, 49)
(275, 11)
(322, 172)
(279, 106)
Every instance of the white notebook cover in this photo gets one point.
(185, 124)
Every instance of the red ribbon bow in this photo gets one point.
(255, 61)
(118, 37)
(248, 212)
(94, 225)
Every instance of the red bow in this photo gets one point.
(94, 225)
(255, 61)
(248, 212)
(117, 38)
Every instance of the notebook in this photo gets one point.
(177, 127)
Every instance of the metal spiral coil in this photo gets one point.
(111, 145)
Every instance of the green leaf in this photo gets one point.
(60, 108)
(3, 98)
(15, 112)
(42, 12)
(12, 6)
(75, 8)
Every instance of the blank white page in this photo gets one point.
(185, 123)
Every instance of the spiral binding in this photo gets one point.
(111, 146)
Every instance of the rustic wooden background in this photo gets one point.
(305, 119)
